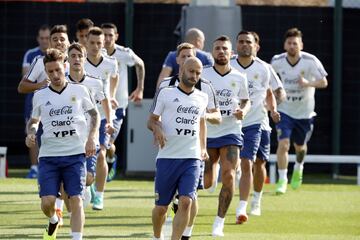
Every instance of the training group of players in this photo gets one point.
(210, 111)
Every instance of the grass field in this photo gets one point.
(322, 209)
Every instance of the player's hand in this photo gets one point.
(114, 103)
(159, 138)
(303, 82)
(44, 83)
(204, 155)
(30, 140)
(109, 129)
(136, 96)
(90, 147)
(239, 114)
(275, 116)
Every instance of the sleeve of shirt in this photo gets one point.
(212, 100)
(129, 57)
(35, 113)
(244, 90)
(170, 60)
(114, 69)
(99, 91)
(35, 70)
(26, 62)
(158, 103)
(106, 88)
(318, 70)
(88, 102)
(275, 81)
(206, 100)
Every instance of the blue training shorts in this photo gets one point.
(70, 170)
(175, 174)
(298, 130)
(104, 138)
(91, 162)
(264, 149)
(230, 139)
(252, 137)
(117, 122)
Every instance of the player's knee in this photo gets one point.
(160, 210)
(228, 177)
(246, 166)
(284, 145)
(75, 202)
(185, 203)
(47, 203)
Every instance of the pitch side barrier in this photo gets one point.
(346, 159)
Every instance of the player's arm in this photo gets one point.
(154, 125)
(114, 82)
(137, 94)
(24, 70)
(244, 107)
(279, 94)
(27, 86)
(31, 129)
(203, 136)
(320, 83)
(90, 147)
(165, 72)
(105, 103)
(272, 106)
(213, 116)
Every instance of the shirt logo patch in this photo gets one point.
(73, 99)
(176, 100)
(48, 103)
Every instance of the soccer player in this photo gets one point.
(43, 41)
(301, 73)
(224, 140)
(104, 67)
(125, 58)
(273, 97)
(82, 29)
(194, 36)
(181, 136)
(258, 76)
(61, 108)
(213, 116)
(77, 74)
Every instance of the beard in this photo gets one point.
(221, 62)
(186, 81)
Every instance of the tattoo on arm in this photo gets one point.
(94, 121)
(140, 73)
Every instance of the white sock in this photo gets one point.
(99, 194)
(241, 209)
(282, 174)
(160, 238)
(59, 203)
(54, 219)
(188, 231)
(219, 220)
(34, 167)
(299, 166)
(76, 235)
(257, 196)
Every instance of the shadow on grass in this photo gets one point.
(131, 236)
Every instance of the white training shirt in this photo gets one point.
(299, 102)
(180, 120)
(205, 87)
(230, 89)
(105, 69)
(37, 71)
(125, 58)
(258, 77)
(63, 117)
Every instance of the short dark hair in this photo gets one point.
(293, 32)
(223, 38)
(109, 25)
(44, 27)
(58, 29)
(95, 31)
(243, 32)
(77, 46)
(53, 55)
(257, 38)
(84, 23)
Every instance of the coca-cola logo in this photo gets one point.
(191, 110)
(224, 93)
(60, 111)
